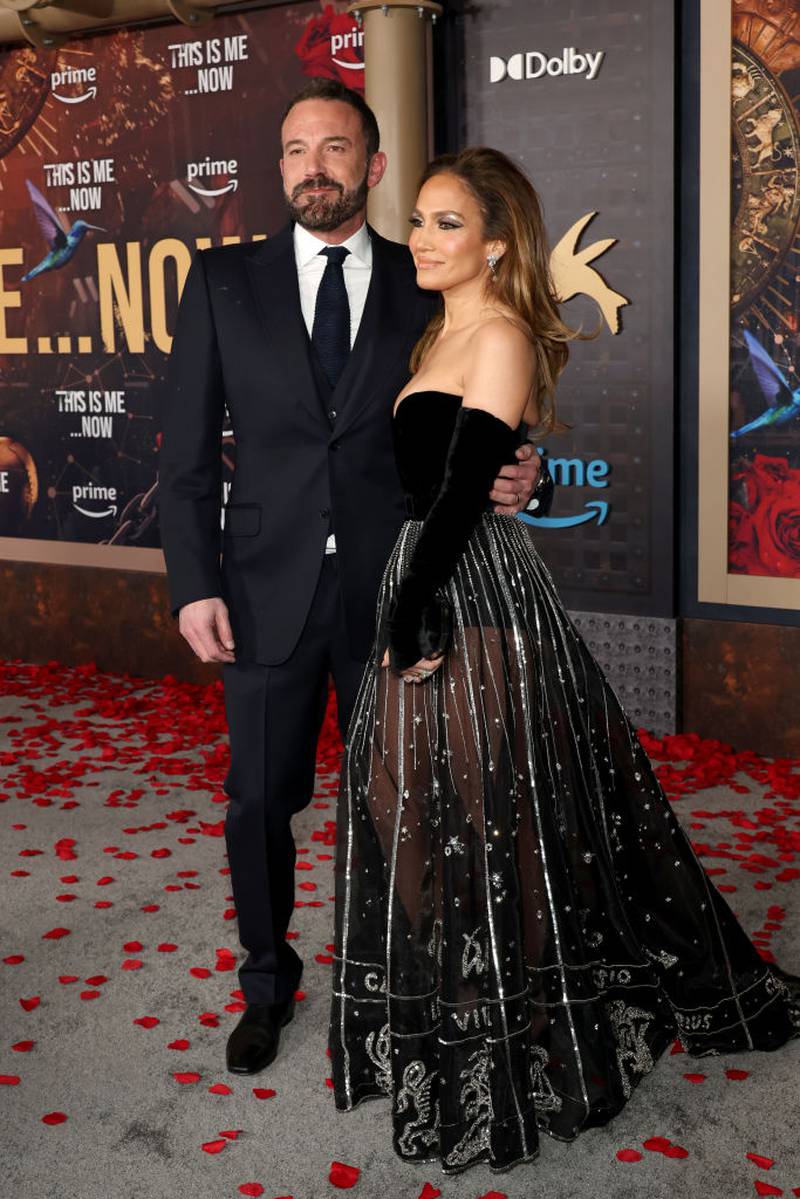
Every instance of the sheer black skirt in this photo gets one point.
(522, 925)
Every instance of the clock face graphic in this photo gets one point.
(24, 90)
(765, 194)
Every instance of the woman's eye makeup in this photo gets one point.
(443, 223)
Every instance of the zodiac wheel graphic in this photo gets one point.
(24, 88)
(765, 192)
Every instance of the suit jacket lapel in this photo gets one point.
(273, 275)
(382, 334)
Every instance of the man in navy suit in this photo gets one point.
(306, 337)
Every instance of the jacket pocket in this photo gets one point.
(243, 520)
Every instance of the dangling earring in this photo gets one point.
(493, 260)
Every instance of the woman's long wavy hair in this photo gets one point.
(512, 213)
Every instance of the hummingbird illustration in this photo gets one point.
(62, 245)
(783, 400)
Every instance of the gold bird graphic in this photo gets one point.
(572, 274)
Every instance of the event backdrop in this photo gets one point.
(165, 139)
(748, 409)
(582, 96)
(764, 432)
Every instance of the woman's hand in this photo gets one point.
(420, 671)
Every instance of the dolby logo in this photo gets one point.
(533, 64)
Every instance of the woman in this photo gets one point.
(522, 925)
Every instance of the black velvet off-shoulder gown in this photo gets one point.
(522, 926)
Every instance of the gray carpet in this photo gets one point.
(110, 794)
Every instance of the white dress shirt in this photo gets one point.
(311, 265)
(357, 268)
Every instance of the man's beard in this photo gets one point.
(325, 213)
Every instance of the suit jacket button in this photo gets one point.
(324, 513)
(332, 414)
(335, 445)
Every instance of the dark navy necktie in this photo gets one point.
(330, 333)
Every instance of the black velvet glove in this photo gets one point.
(419, 622)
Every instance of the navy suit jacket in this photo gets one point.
(241, 341)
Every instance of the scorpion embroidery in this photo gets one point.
(416, 1089)
(477, 1101)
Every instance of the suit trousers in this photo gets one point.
(274, 716)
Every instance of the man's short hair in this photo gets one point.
(331, 89)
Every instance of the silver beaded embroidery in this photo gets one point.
(416, 1092)
(476, 1101)
(630, 1026)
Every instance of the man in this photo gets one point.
(306, 337)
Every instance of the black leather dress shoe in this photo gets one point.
(253, 1044)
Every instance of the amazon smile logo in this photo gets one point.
(574, 472)
(93, 493)
(200, 176)
(71, 76)
(347, 41)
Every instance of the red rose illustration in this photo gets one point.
(330, 48)
(764, 528)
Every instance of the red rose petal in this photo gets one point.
(54, 1118)
(429, 1191)
(695, 1077)
(629, 1155)
(657, 1144)
(343, 1176)
(147, 1021)
(14, 959)
(737, 1074)
(251, 1188)
(30, 1004)
(219, 1088)
(23, 1046)
(185, 1077)
(214, 1146)
(766, 1163)
(263, 1092)
(133, 946)
(494, 1195)
(766, 1188)
(55, 933)
(230, 1133)
(9, 1080)
(199, 972)
(675, 1151)
(181, 1044)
